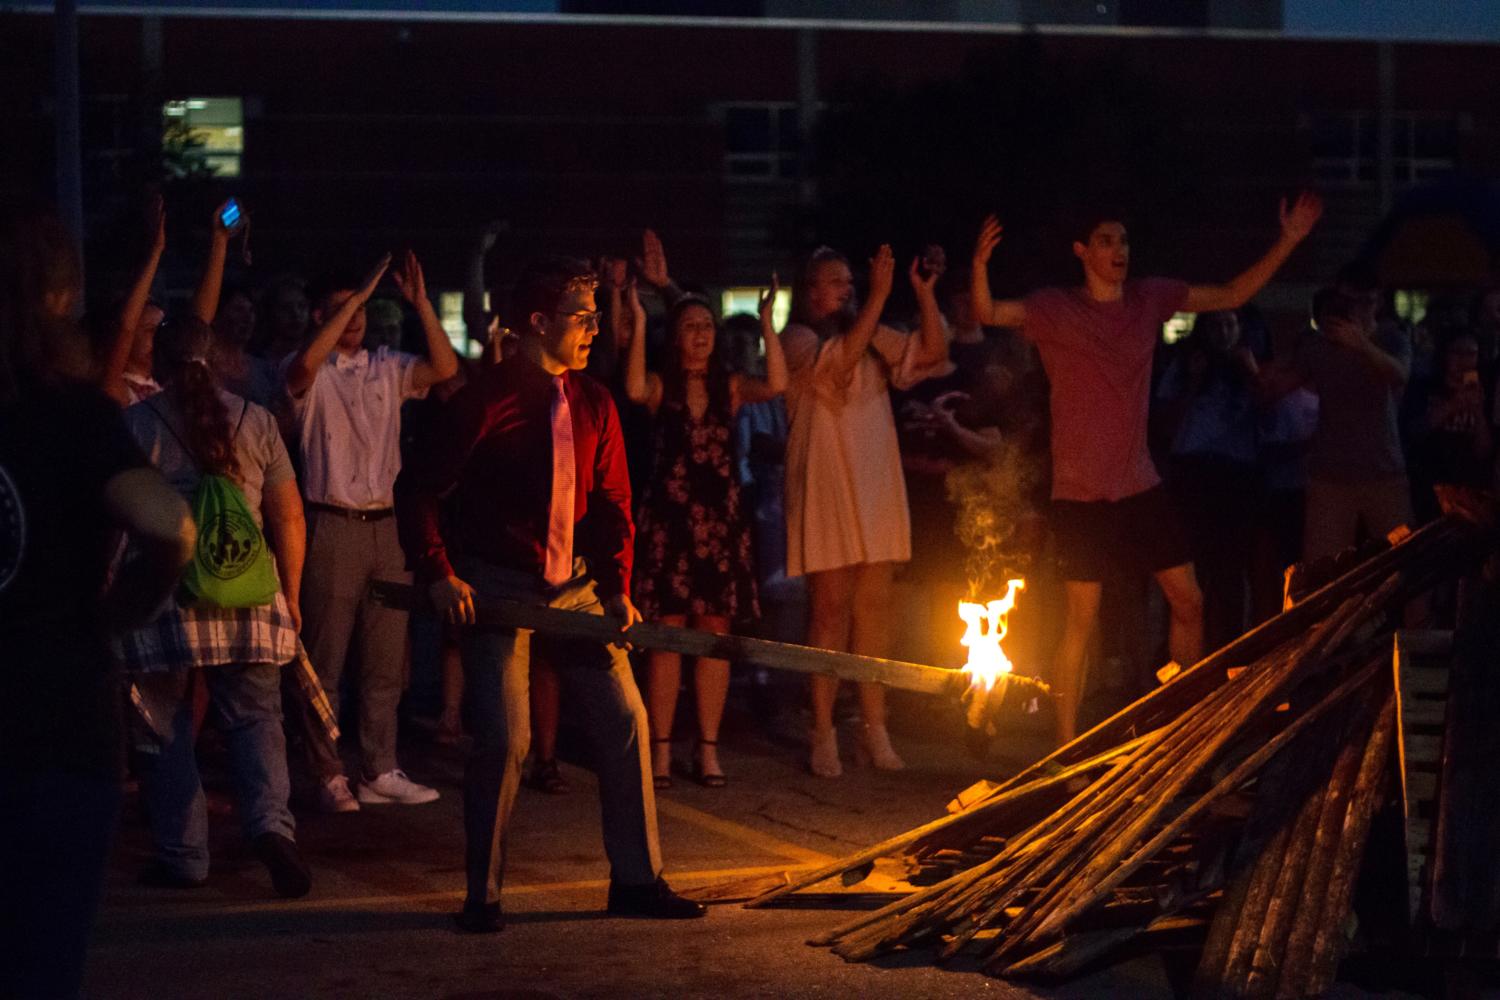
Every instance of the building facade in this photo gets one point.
(345, 136)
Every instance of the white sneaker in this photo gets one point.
(335, 797)
(395, 786)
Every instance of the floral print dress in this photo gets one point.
(693, 546)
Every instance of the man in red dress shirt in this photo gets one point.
(530, 458)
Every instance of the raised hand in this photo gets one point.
(882, 272)
(1298, 221)
(768, 300)
(634, 311)
(367, 287)
(613, 272)
(652, 264)
(990, 234)
(934, 258)
(156, 221)
(923, 279)
(409, 279)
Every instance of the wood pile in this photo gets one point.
(1228, 810)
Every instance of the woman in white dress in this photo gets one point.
(847, 522)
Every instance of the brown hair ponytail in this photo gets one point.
(181, 364)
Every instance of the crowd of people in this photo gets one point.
(193, 495)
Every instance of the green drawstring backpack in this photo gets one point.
(231, 566)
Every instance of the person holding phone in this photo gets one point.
(232, 315)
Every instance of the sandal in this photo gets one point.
(708, 779)
(662, 781)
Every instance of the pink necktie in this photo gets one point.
(559, 567)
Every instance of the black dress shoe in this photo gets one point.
(486, 919)
(159, 875)
(289, 874)
(656, 901)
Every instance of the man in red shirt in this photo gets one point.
(530, 458)
(1096, 344)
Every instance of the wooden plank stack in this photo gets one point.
(1229, 809)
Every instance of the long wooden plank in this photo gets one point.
(801, 880)
(1330, 942)
(693, 642)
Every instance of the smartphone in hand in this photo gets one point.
(230, 216)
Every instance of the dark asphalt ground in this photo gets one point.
(386, 879)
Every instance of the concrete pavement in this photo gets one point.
(387, 878)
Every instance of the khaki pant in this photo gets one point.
(343, 557)
(597, 684)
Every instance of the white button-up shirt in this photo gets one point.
(350, 425)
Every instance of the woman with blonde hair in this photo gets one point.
(847, 518)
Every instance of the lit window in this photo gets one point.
(451, 314)
(1345, 146)
(1411, 306)
(205, 133)
(747, 300)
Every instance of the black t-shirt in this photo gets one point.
(59, 702)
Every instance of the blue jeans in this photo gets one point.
(597, 682)
(55, 832)
(247, 698)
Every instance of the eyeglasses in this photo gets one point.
(589, 320)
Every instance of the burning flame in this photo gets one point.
(985, 629)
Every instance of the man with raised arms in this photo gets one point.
(1096, 342)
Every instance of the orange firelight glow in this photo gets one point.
(985, 629)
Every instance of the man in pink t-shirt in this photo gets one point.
(1096, 343)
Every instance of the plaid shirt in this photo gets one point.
(185, 637)
(311, 690)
